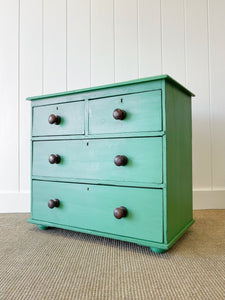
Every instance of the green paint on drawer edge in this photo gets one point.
(140, 242)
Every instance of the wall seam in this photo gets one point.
(66, 47)
(185, 41)
(210, 95)
(42, 47)
(161, 36)
(138, 39)
(90, 41)
(114, 43)
(18, 74)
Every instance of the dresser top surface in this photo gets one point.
(124, 83)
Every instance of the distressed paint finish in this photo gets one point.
(94, 159)
(71, 114)
(144, 117)
(92, 206)
(155, 185)
(179, 160)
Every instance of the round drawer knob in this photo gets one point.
(120, 160)
(119, 114)
(120, 212)
(53, 119)
(53, 203)
(54, 159)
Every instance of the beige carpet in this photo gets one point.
(59, 264)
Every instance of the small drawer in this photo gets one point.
(58, 119)
(92, 207)
(101, 160)
(143, 112)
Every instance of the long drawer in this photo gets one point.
(143, 112)
(92, 207)
(95, 159)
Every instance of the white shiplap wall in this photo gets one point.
(49, 46)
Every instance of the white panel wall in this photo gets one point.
(197, 60)
(78, 44)
(216, 22)
(30, 72)
(102, 42)
(9, 90)
(126, 39)
(173, 39)
(55, 45)
(149, 38)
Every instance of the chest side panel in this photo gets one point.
(179, 160)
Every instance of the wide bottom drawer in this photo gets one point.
(92, 207)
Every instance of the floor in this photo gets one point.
(60, 264)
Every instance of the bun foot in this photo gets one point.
(42, 227)
(158, 250)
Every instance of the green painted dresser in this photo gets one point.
(114, 161)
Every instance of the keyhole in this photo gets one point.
(88, 189)
(87, 143)
(121, 100)
(57, 108)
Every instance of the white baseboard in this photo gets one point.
(209, 199)
(20, 202)
(14, 202)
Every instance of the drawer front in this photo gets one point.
(143, 113)
(71, 119)
(94, 159)
(91, 207)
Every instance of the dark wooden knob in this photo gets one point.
(53, 203)
(120, 160)
(119, 114)
(54, 159)
(120, 212)
(53, 119)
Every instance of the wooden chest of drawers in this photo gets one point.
(114, 161)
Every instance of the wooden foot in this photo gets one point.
(42, 227)
(158, 250)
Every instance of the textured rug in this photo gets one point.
(60, 264)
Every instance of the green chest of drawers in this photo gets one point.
(114, 161)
